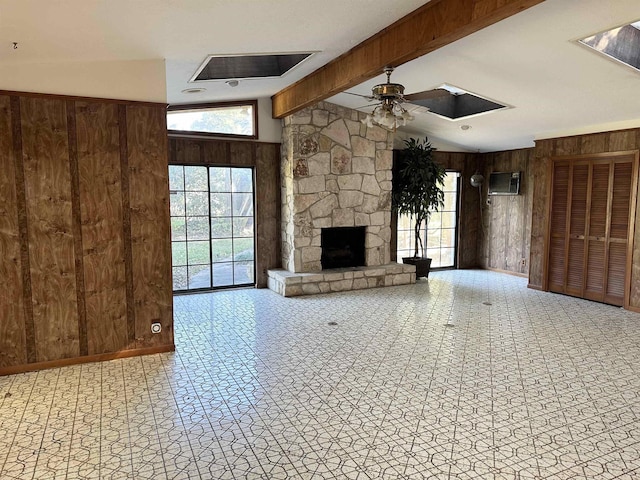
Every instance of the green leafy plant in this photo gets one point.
(417, 185)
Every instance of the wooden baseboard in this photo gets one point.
(508, 272)
(102, 357)
(534, 287)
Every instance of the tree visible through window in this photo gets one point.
(219, 119)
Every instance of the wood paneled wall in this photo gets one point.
(617, 141)
(85, 259)
(505, 231)
(265, 158)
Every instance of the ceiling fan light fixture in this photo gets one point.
(390, 113)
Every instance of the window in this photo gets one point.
(212, 235)
(440, 236)
(227, 119)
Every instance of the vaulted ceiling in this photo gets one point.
(149, 50)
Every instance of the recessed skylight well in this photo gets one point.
(621, 44)
(224, 67)
(453, 103)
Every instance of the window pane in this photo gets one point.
(435, 219)
(448, 237)
(222, 274)
(221, 227)
(451, 181)
(178, 253)
(197, 203)
(404, 222)
(195, 179)
(199, 276)
(242, 249)
(404, 240)
(434, 254)
(178, 229)
(220, 204)
(433, 237)
(177, 203)
(176, 177)
(198, 252)
(222, 250)
(234, 120)
(220, 179)
(242, 179)
(242, 204)
(450, 201)
(441, 231)
(197, 228)
(180, 278)
(243, 227)
(448, 219)
(242, 273)
(446, 257)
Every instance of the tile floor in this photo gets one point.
(423, 381)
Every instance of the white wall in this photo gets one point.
(269, 129)
(142, 80)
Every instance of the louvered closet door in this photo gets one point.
(618, 233)
(589, 227)
(558, 230)
(577, 229)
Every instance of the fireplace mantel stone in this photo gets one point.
(335, 172)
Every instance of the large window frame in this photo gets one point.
(435, 228)
(253, 104)
(208, 239)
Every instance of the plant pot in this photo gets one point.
(423, 265)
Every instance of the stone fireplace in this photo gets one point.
(335, 173)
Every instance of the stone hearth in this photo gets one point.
(336, 172)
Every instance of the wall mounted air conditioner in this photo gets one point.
(504, 183)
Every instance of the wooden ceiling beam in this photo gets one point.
(432, 26)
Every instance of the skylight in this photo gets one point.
(453, 103)
(247, 66)
(621, 44)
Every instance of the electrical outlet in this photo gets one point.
(524, 262)
(156, 327)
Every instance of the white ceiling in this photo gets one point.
(530, 61)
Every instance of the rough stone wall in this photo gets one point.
(336, 172)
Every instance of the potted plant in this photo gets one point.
(417, 191)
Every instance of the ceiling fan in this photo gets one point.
(390, 113)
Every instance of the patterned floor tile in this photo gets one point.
(424, 381)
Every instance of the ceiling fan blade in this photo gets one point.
(368, 105)
(427, 95)
(368, 97)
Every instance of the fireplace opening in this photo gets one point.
(342, 247)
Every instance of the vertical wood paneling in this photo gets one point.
(242, 154)
(623, 140)
(150, 229)
(508, 218)
(13, 346)
(77, 228)
(101, 213)
(126, 223)
(216, 153)
(595, 143)
(187, 151)
(267, 217)
(539, 200)
(49, 212)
